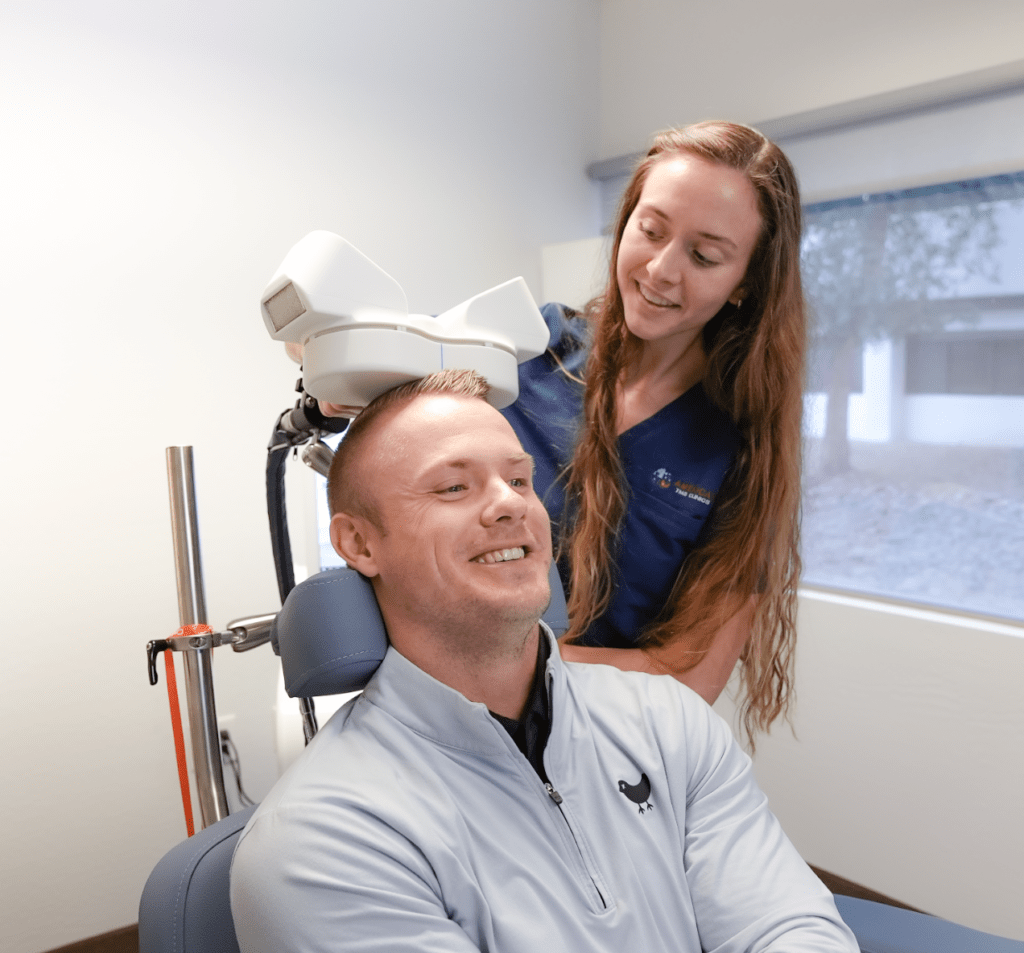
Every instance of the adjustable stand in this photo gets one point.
(241, 635)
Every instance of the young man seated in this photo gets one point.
(481, 794)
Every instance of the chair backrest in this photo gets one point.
(330, 634)
(185, 905)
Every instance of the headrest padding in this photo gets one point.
(329, 634)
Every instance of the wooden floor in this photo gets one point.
(126, 940)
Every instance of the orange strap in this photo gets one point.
(179, 737)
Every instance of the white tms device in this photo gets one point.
(360, 340)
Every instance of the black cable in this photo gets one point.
(229, 754)
(277, 458)
(293, 428)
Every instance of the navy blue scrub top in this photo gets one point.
(674, 462)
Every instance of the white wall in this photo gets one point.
(666, 62)
(574, 272)
(906, 769)
(158, 161)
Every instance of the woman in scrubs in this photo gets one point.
(665, 424)
(665, 420)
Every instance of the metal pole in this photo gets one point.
(202, 710)
(307, 709)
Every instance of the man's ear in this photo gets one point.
(354, 540)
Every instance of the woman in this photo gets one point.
(677, 507)
(672, 475)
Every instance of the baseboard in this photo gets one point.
(124, 940)
(850, 889)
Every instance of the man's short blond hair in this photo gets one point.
(346, 492)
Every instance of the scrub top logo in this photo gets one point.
(663, 480)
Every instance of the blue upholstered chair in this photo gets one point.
(880, 928)
(185, 906)
(331, 639)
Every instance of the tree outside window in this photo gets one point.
(915, 412)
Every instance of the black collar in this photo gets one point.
(530, 732)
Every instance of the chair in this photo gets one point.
(880, 928)
(331, 638)
(185, 906)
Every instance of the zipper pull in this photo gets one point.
(553, 794)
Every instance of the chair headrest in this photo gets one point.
(331, 637)
(329, 634)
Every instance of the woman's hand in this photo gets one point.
(707, 678)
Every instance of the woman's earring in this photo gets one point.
(738, 304)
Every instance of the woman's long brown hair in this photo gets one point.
(755, 374)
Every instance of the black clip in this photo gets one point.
(153, 649)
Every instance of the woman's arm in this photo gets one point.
(707, 678)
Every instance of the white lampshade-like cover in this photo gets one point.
(359, 339)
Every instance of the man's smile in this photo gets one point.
(501, 555)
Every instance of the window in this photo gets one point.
(824, 360)
(914, 480)
(981, 362)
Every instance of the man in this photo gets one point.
(481, 794)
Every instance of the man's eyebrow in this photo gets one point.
(711, 236)
(462, 463)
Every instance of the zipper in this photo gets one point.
(557, 798)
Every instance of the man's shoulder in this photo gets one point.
(360, 767)
(344, 740)
(638, 704)
(632, 689)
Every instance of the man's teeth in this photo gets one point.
(501, 555)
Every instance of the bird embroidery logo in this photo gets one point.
(640, 793)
